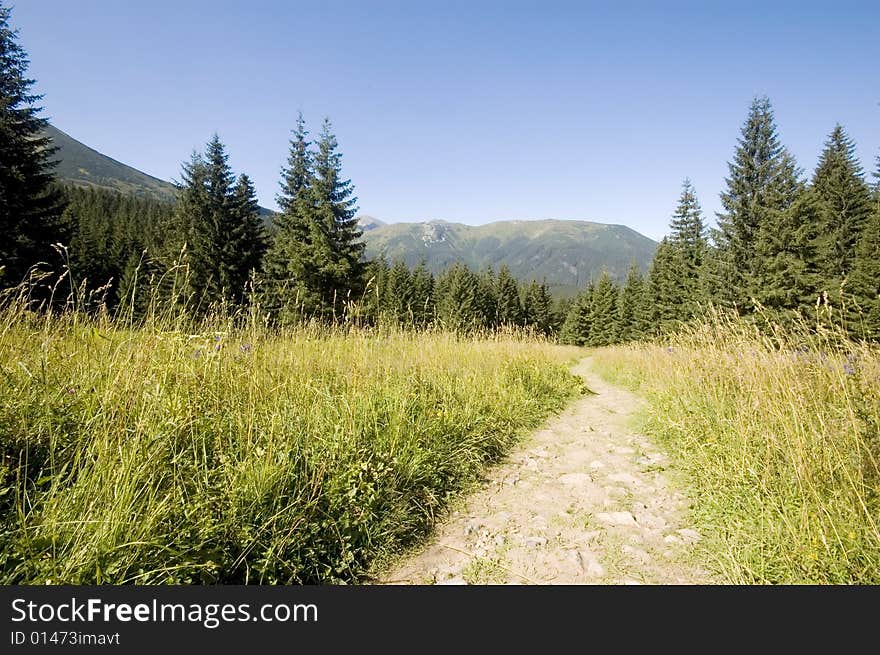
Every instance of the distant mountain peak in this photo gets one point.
(567, 254)
(80, 165)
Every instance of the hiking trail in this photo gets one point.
(583, 500)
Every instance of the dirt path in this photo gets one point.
(583, 500)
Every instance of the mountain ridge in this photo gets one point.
(565, 253)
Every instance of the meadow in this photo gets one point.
(777, 433)
(227, 452)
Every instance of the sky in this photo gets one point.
(469, 111)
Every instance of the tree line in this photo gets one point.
(784, 244)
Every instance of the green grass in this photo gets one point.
(778, 434)
(235, 454)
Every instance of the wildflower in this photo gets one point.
(848, 369)
(71, 390)
(246, 347)
(197, 353)
(669, 349)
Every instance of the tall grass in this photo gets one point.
(231, 453)
(778, 431)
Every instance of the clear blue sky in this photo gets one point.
(466, 111)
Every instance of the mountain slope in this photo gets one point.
(567, 254)
(83, 166)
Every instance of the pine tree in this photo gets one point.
(865, 279)
(399, 294)
(283, 264)
(663, 290)
(688, 238)
(487, 293)
(247, 239)
(422, 295)
(538, 307)
(787, 245)
(458, 303)
(29, 206)
(510, 311)
(763, 178)
(332, 252)
(375, 284)
(846, 204)
(576, 327)
(191, 215)
(631, 308)
(603, 313)
(217, 228)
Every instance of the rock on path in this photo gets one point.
(582, 501)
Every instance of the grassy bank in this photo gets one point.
(238, 455)
(779, 436)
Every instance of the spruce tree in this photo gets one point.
(846, 204)
(186, 273)
(332, 252)
(29, 206)
(576, 327)
(763, 178)
(603, 313)
(631, 308)
(283, 264)
(663, 290)
(865, 280)
(247, 239)
(510, 311)
(399, 294)
(458, 301)
(788, 281)
(218, 230)
(374, 294)
(422, 295)
(487, 292)
(688, 238)
(538, 307)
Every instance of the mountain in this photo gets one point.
(83, 166)
(368, 223)
(567, 254)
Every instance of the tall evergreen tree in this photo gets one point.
(488, 298)
(788, 281)
(29, 206)
(763, 179)
(177, 248)
(247, 239)
(507, 291)
(846, 204)
(423, 294)
(283, 263)
(865, 280)
(399, 294)
(631, 310)
(538, 307)
(576, 327)
(458, 301)
(603, 313)
(688, 238)
(375, 284)
(662, 290)
(332, 256)
(218, 220)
